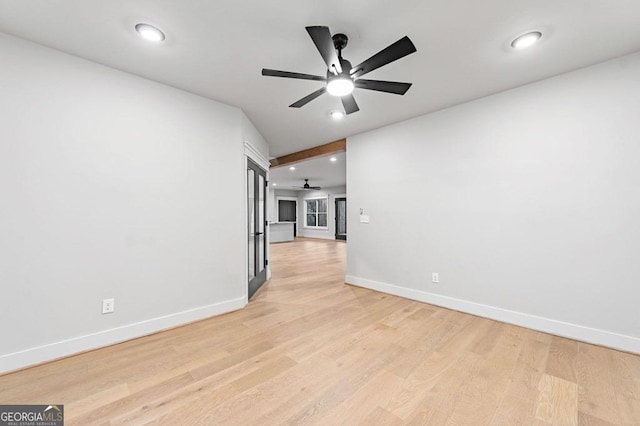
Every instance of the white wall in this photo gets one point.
(111, 187)
(272, 215)
(527, 204)
(330, 232)
(250, 134)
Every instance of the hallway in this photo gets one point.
(310, 349)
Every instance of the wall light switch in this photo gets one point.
(364, 218)
(435, 278)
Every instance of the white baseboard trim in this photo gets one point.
(320, 237)
(546, 325)
(52, 351)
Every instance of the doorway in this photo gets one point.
(341, 218)
(256, 214)
(287, 212)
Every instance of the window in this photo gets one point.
(315, 213)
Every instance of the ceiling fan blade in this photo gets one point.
(315, 188)
(321, 37)
(397, 50)
(349, 104)
(308, 98)
(383, 86)
(289, 74)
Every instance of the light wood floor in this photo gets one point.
(309, 349)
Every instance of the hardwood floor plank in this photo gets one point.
(361, 403)
(96, 400)
(587, 420)
(309, 349)
(562, 358)
(515, 410)
(558, 401)
(356, 369)
(381, 417)
(597, 395)
(291, 392)
(625, 373)
(123, 406)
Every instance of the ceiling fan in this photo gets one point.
(307, 186)
(341, 77)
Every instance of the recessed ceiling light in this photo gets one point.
(150, 33)
(340, 86)
(292, 168)
(274, 184)
(337, 115)
(526, 40)
(333, 159)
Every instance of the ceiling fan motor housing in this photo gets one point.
(340, 41)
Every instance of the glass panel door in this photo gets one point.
(341, 218)
(256, 214)
(260, 224)
(251, 221)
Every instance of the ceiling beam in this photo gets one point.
(307, 154)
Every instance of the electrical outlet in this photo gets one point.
(108, 306)
(435, 278)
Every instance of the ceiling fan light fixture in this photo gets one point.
(150, 33)
(526, 40)
(340, 86)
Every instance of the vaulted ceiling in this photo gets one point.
(217, 49)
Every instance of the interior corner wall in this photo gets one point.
(251, 135)
(330, 232)
(111, 188)
(526, 203)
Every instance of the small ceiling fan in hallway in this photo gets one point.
(341, 77)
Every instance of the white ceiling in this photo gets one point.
(320, 171)
(218, 48)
